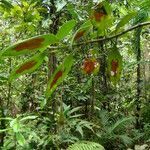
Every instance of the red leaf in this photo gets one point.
(114, 67)
(98, 16)
(99, 12)
(31, 44)
(26, 66)
(89, 66)
(79, 34)
(57, 76)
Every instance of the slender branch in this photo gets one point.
(103, 39)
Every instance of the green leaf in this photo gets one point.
(15, 125)
(125, 20)
(65, 29)
(28, 118)
(85, 27)
(4, 130)
(6, 4)
(114, 68)
(121, 123)
(20, 139)
(27, 67)
(85, 145)
(30, 45)
(59, 75)
(74, 110)
(7, 118)
(79, 129)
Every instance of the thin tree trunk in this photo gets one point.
(104, 87)
(52, 58)
(92, 98)
(138, 103)
(2, 123)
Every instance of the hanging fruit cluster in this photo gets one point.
(114, 63)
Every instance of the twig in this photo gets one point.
(102, 39)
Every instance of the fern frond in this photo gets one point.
(104, 117)
(145, 5)
(121, 124)
(125, 139)
(86, 145)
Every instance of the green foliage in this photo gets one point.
(30, 45)
(101, 17)
(114, 62)
(59, 75)
(65, 29)
(73, 119)
(112, 130)
(27, 67)
(17, 130)
(125, 20)
(86, 146)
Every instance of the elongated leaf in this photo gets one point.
(65, 29)
(74, 110)
(125, 20)
(4, 130)
(27, 67)
(20, 139)
(79, 129)
(30, 45)
(8, 118)
(85, 27)
(59, 75)
(114, 65)
(6, 4)
(28, 118)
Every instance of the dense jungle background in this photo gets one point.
(74, 75)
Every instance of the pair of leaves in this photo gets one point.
(39, 42)
(114, 65)
(32, 64)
